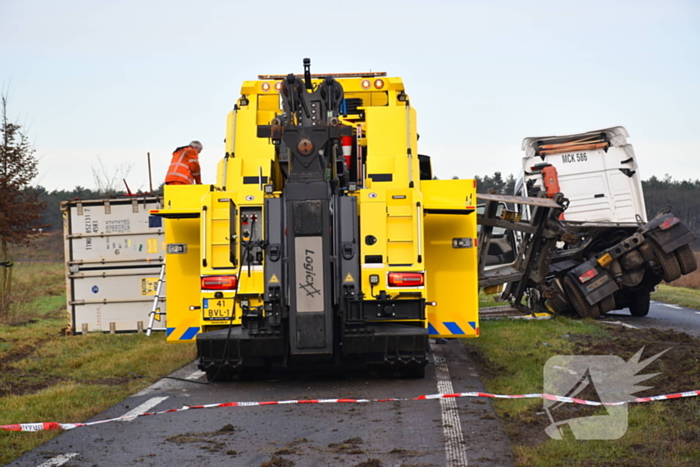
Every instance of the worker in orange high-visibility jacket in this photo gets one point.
(184, 167)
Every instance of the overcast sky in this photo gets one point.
(105, 81)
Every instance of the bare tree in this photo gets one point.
(109, 182)
(20, 208)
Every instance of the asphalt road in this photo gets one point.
(455, 432)
(661, 316)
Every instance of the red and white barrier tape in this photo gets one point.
(68, 426)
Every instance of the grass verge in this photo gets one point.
(487, 301)
(48, 377)
(512, 355)
(681, 296)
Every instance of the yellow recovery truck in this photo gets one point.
(324, 239)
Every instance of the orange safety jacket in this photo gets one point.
(184, 167)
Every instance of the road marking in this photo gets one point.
(454, 438)
(673, 306)
(143, 408)
(58, 460)
(167, 383)
(621, 324)
(196, 375)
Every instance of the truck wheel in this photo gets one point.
(639, 306)
(412, 371)
(686, 259)
(607, 304)
(583, 308)
(670, 270)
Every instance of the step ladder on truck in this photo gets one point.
(156, 313)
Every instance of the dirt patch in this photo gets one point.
(286, 452)
(226, 429)
(370, 463)
(210, 441)
(677, 370)
(406, 452)
(278, 462)
(21, 384)
(349, 446)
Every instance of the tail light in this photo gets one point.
(219, 282)
(406, 279)
(669, 223)
(588, 275)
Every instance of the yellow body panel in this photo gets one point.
(182, 276)
(452, 272)
(391, 137)
(184, 199)
(182, 259)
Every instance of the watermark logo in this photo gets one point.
(603, 378)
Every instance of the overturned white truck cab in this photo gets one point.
(597, 252)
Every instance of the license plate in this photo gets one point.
(217, 308)
(596, 283)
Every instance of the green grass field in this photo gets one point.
(513, 355)
(46, 376)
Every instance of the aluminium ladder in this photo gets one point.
(156, 313)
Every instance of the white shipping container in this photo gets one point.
(114, 255)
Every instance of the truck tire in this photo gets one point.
(670, 270)
(582, 307)
(639, 305)
(686, 259)
(607, 304)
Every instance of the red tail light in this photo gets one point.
(669, 223)
(588, 275)
(219, 282)
(406, 279)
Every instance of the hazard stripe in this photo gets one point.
(472, 324)
(169, 331)
(190, 333)
(454, 328)
(432, 330)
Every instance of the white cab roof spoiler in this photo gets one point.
(617, 136)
